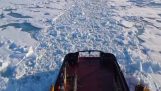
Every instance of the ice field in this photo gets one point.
(35, 35)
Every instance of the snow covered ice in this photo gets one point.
(36, 35)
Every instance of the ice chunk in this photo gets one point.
(126, 24)
(20, 71)
(150, 70)
(1, 43)
(141, 67)
(3, 65)
(30, 52)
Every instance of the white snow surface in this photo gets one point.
(35, 35)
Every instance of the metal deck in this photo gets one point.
(91, 73)
(93, 77)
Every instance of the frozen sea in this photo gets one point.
(35, 35)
